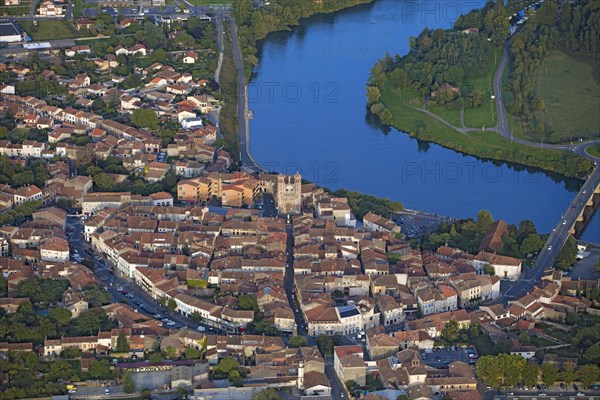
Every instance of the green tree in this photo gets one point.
(71, 352)
(325, 345)
(60, 315)
(373, 94)
(247, 302)
(96, 296)
(532, 244)
(171, 304)
(568, 374)
(267, 394)
(593, 353)
(484, 220)
(451, 332)
(122, 343)
(191, 353)
(144, 118)
(298, 341)
(351, 385)
(89, 322)
(530, 374)
(263, 327)
(524, 339)
(128, 383)
(100, 369)
(588, 374)
(489, 269)
(156, 358)
(60, 371)
(549, 374)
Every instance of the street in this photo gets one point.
(141, 301)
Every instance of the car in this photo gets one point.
(584, 191)
(550, 247)
(542, 394)
(200, 328)
(106, 391)
(157, 316)
(579, 394)
(564, 221)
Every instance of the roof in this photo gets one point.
(493, 237)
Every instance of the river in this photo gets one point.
(307, 95)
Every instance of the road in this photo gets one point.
(242, 107)
(556, 240)
(559, 235)
(141, 301)
(504, 129)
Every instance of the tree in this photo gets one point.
(524, 339)
(191, 353)
(60, 315)
(532, 244)
(568, 373)
(402, 397)
(530, 374)
(247, 302)
(373, 94)
(549, 374)
(588, 374)
(593, 353)
(96, 296)
(122, 343)
(267, 394)
(298, 341)
(100, 369)
(143, 118)
(351, 385)
(484, 220)
(489, 269)
(156, 358)
(451, 332)
(325, 345)
(171, 304)
(89, 322)
(263, 327)
(128, 383)
(71, 352)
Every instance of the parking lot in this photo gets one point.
(441, 357)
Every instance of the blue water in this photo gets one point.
(308, 99)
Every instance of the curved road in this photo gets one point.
(503, 128)
(559, 235)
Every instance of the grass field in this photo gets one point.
(77, 8)
(216, 3)
(21, 9)
(48, 30)
(481, 144)
(594, 150)
(571, 102)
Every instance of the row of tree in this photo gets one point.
(574, 26)
(510, 370)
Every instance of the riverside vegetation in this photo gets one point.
(450, 74)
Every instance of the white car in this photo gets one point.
(200, 328)
(550, 247)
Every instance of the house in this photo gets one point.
(162, 199)
(27, 193)
(7, 89)
(505, 267)
(83, 23)
(191, 123)
(447, 90)
(190, 57)
(50, 9)
(377, 223)
(349, 364)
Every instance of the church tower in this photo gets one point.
(301, 374)
(289, 194)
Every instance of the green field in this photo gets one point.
(594, 150)
(48, 30)
(481, 144)
(215, 3)
(21, 9)
(571, 102)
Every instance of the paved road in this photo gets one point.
(242, 108)
(141, 301)
(503, 127)
(556, 240)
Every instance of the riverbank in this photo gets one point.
(482, 144)
(228, 81)
(255, 25)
